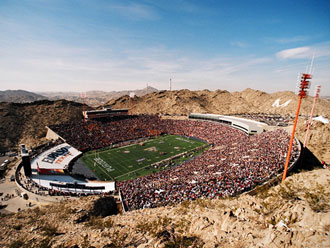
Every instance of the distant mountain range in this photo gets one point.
(95, 98)
(20, 96)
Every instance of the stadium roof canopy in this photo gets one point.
(248, 126)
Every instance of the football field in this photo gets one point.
(135, 160)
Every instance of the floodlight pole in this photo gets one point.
(304, 85)
(291, 141)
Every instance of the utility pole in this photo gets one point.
(317, 94)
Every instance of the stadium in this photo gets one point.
(147, 161)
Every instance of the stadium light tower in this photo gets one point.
(317, 94)
(170, 84)
(304, 86)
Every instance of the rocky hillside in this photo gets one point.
(19, 96)
(183, 102)
(25, 123)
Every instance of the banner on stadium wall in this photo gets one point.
(56, 158)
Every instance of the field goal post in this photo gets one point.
(96, 155)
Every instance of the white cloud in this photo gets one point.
(294, 53)
(77, 69)
(45, 66)
(306, 52)
(239, 44)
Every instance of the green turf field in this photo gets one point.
(131, 161)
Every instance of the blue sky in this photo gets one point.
(115, 45)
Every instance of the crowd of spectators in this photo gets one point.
(93, 135)
(58, 192)
(234, 163)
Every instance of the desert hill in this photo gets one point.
(25, 123)
(19, 96)
(183, 102)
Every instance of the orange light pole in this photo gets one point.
(304, 85)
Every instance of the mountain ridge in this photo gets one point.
(182, 102)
